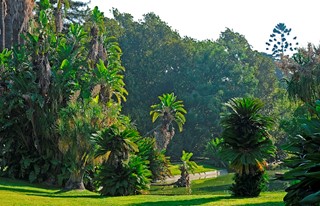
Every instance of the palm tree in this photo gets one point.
(247, 144)
(122, 172)
(169, 110)
(113, 145)
(186, 167)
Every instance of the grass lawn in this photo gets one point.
(204, 192)
(174, 168)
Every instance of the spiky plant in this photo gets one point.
(247, 143)
(304, 163)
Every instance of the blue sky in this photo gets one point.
(206, 19)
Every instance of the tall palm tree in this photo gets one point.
(247, 144)
(169, 110)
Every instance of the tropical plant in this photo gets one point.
(213, 151)
(169, 110)
(186, 168)
(303, 83)
(279, 42)
(117, 145)
(158, 161)
(122, 171)
(247, 144)
(75, 124)
(304, 162)
(37, 80)
(127, 178)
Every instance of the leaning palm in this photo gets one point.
(247, 144)
(169, 110)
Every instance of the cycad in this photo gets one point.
(114, 146)
(169, 110)
(247, 143)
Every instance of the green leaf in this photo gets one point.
(44, 4)
(43, 18)
(65, 63)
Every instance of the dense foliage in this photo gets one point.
(58, 89)
(303, 144)
(304, 163)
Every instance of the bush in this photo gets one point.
(124, 179)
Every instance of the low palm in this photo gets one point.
(247, 143)
(169, 110)
(113, 145)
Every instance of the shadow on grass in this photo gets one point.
(279, 203)
(66, 194)
(195, 201)
(13, 189)
(69, 196)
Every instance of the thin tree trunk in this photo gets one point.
(8, 25)
(3, 10)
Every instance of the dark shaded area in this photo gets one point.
(196, 201)
(266, 204)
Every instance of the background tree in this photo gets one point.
(279, 43)
(203, 73)
(247, 144)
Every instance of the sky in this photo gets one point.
(206, 19)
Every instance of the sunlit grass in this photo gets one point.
(204, 192)
(174, 168)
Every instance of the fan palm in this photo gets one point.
(247, 143)
(169, 110)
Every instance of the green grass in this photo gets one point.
(174, 168)
(204, 192)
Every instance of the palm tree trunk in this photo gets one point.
(163, 136)
(14, 17)
(9, 25)
(3, 9)
(75, 181)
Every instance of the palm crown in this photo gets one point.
(169, 110)
(247, 143)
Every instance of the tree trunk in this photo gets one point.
(3, 10)
(75, 181)
(163, 137)
(8, 25)
(184, 180)
(14, 17)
